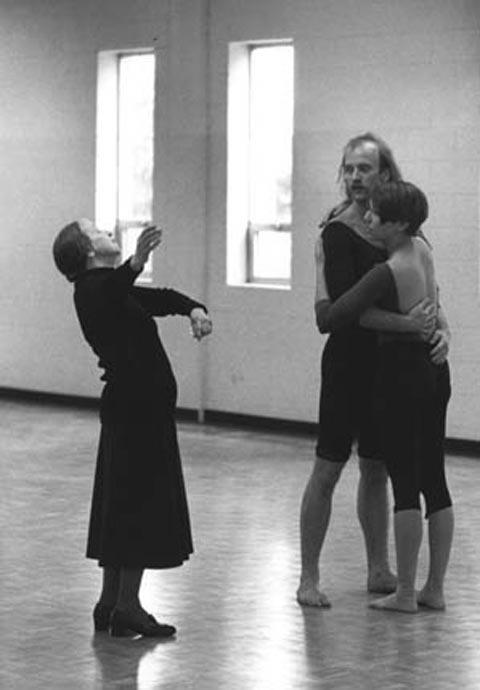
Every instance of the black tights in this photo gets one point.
(413, 395)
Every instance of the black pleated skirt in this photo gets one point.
(139, 515)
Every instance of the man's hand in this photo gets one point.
(423, 318)
(201, 323)
(321, 292)
(440, 341)
(321, 311)
(148, 240)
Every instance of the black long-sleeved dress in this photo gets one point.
(139, 514)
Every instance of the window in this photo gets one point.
(125, 130)
(260, 132)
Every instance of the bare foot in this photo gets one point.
(431, 599)
(310, 595)
(381, 583)
(395, 603)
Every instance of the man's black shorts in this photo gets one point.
(346, 411)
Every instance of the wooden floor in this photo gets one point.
(239, 626)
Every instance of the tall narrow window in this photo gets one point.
(125, 133)
(261, 99)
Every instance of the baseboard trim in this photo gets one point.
(462, 446)
(61, 399)
(67, 400)
(259, 423)
(454, 446)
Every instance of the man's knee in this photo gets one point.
(326, 474)
(373, 471)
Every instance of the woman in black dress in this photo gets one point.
(139, 515)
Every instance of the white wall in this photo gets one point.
(48, 70)
(407, 70)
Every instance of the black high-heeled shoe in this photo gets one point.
(101, 617)
(123, 625)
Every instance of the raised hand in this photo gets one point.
(147, 241)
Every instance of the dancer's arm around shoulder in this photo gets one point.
(341, 278)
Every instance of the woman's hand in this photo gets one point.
(148, 240)
(201, 323)
(423, 317)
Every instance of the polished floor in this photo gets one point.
(233, 603)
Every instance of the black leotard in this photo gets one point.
(412, 395)
(350, 354)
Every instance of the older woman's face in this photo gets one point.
(103, 243)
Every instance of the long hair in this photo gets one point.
(70, 250)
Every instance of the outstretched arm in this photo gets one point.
(165, 301)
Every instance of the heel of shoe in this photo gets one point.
(119, 626)
(122, 625)
(121, 631)
(101, 617)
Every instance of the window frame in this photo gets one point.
(241, 264)
(107, 189)
(253, 230)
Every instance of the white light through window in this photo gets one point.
(135, 137)
(271, 131)
(125, 146)
(260, 134)
(135, 147)
(271, 111)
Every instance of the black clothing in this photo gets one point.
(350, 355)
(412, 395)
(139, 515)
(377, 287)
(116, 320)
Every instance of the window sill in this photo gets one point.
(261, 286)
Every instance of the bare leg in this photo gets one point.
(110, 585)
(440, 535)
(314, 519)
(408, 537)
(372, 510)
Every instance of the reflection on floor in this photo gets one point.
(233, 603)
